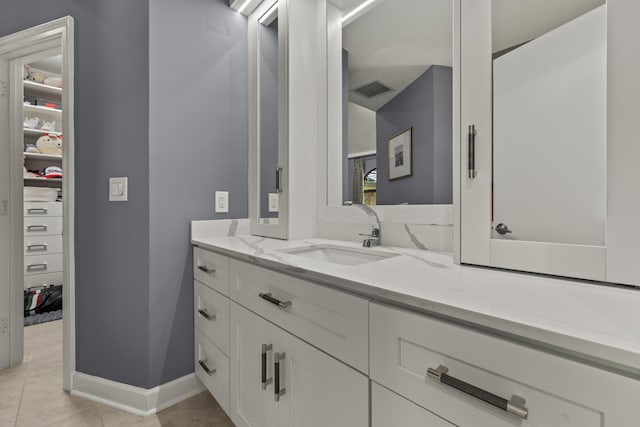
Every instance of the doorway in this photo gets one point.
(18, 128)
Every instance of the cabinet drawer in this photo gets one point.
(217, 379)
(208, 302)
(34, 280)
(42, 226)
(42, 209)
(39, 264)
(211, 269)
(390, 409)
(404, 345)
(331, 320)
(39, 245)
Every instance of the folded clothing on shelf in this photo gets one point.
(40, 194)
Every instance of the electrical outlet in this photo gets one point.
(4, 326)
(222, 201)
(273, 202)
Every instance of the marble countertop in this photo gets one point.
(597, 323)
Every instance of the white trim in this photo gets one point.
(361, 154)
(19, 48)
(135, 400)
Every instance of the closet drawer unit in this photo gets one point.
(211, 315)
(42, 209)
(211, 269)
(41, 245)
(42, 279)
(390, 409)
(334, 321)
(405, 345)
(212, 367)
(42, 226)
(39, 264)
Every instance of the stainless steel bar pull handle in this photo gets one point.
(264, 380)
(275, 301)
(206, 269)
(34, 248)
(203, 364)
(277, 391)
(36, 228)
(472, 151)
(278, 178)
(206, 315)
(514, 406)
(37, 210)
(37, 267)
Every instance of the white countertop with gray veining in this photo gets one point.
(598, 323)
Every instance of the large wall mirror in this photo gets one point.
(392, 80)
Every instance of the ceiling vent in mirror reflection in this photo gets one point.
(373, 89)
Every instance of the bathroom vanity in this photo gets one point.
(408, 339)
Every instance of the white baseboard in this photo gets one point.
(135, 400)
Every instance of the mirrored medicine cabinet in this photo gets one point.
(540, 137)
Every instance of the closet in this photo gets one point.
(43, 175)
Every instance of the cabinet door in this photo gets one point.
(320, 390)
(391, 409)
(251, 405)
(533, 167)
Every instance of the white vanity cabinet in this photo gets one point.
(279, 380)
(211, 321)
(481, 368)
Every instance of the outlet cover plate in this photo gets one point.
(222, 201)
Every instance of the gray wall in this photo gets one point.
(112, 239)
(197, 145)
(268, 51)
(347, 174)
(426, 106)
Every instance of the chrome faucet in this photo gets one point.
(373, 239)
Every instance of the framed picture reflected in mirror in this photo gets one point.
(400, 155)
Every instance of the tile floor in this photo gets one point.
(31, 394)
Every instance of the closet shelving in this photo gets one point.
(39, 161)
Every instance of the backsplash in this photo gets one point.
(219, 228)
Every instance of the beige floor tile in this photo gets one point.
(90, 418)
(206, 417)
(11, 387)
(44, 402)
(116, 418)
(8, 415)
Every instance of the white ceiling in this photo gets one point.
(395, 41)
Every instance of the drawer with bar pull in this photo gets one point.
(39, 264)
(42, 226)
(32, 209)
(38, 245)
(474, 379)
(211, 269)
(212, 367)
(211, 315)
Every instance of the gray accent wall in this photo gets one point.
(197, 145)
(425, 106)
(112, 139)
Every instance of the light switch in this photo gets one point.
(273, 202)
(118, 189)
(222, 201)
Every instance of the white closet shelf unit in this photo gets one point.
(39, 132)
(40, 156)
(39, 109)
(40, 88)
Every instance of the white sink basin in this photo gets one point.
(340, 254)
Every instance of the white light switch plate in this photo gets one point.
(273, 202)
(118, 191)
(222, 201)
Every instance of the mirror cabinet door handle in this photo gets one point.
(34, 248)
(37, 210)
(36, 228)
(206, 315)
(514, 406)
(472, 151)
(206, 269)
(264, 380)
(277, 391)
(278, 178)
(203, 364)
(274, 301)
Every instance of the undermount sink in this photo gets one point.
(340, 254)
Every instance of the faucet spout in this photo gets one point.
(375, 236)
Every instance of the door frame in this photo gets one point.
(19, 48)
